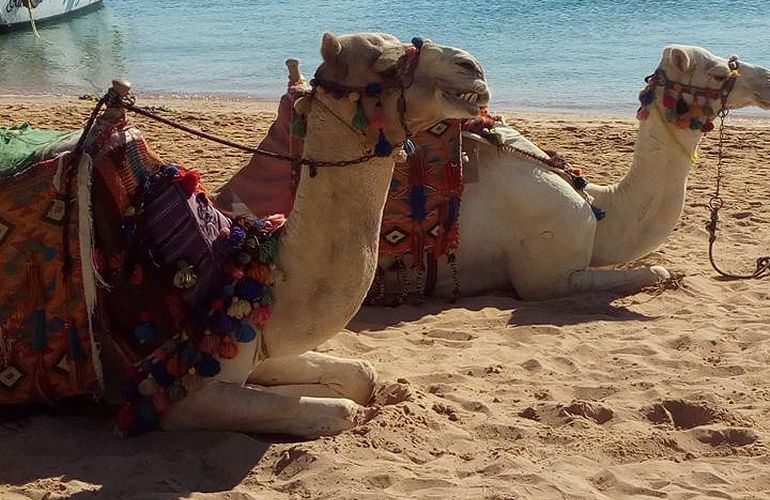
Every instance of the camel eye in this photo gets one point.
(719, 78)
(467, 65)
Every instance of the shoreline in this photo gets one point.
(236, 102)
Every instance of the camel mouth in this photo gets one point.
(469, 102)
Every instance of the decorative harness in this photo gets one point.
(699, 115)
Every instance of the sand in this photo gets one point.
(660, 394)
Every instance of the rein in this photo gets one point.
(120, 96)
(716, 202)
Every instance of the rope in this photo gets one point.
(762, 264)
(28, 4)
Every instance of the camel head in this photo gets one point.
(437, 82)
(698, 67)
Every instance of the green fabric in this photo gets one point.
(21, 146)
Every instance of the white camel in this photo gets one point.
(328, 250)
(523, 227)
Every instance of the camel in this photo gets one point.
(544, 239)
(328, 249)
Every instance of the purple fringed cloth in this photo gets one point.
(47, 350)
(185, 284)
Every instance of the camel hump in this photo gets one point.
(295, 75)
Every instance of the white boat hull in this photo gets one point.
(14, 13)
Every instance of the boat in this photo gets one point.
(23, 14)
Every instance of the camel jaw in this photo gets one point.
(469, 102)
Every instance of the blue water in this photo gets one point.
(568, 55)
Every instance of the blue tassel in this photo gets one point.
(373, 89)
(417, 201)
(383, 147)
(38, 323)
(76, 350)
(647, 97)
(599, 213)
(409, 148)
(418, 42)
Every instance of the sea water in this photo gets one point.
(545, 55)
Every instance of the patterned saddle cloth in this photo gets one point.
(153, 265)
(420, 216)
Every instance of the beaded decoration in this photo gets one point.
(694, 112)
(234, 315)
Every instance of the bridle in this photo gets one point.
(399, 78)
(716, 202)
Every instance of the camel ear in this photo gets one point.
(679, 58)
(330, 47)
(388, 58)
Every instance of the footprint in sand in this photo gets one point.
(684, 414)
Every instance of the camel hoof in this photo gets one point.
(660, 273)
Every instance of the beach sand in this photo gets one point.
(660, 394)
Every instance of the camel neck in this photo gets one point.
(643, 208)
(328, 252)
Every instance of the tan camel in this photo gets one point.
(328, 251)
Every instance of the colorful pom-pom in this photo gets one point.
(647, 97)
(228, 349)
(418, 42)
(239, 309)
(189, 182)
(696, 124)
(249, 289)
(208, 366)
(707, 127)
(261, 315)
(260, 272)
(643, 114)
(246, 333)
(669, 101)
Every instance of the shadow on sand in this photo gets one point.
(159, 465)
(571, 311)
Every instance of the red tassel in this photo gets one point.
(189, 182)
